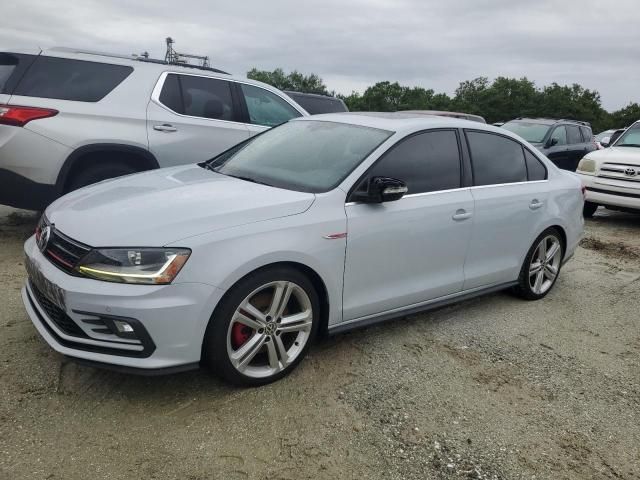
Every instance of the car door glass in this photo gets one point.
(587, 135)
(560, 135)
(535, 168)
(266, 108)
(171, 95)
(207, 98)
(495, 159)
(573, 135)
(426, 162)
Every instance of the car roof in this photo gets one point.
(401, 122)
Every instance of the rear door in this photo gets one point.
(577, 148)
(192, 118)
(510, 200)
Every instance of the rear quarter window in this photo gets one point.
(66, 79)
(587, 134)
(12, 67)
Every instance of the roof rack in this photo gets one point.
(556, 120)
(143, 57)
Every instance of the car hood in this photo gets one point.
(626, 155)
(159, 207)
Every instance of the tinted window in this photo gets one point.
(531, 132)
(496, 159)
(317, 104)
(12, 66)
(535, 169)
(207, 97)
(426, 162)
(573, 135)
(65, 79)
(560, 134)
(266, 108)
(171, 94)
(308, 156)
(587, 134)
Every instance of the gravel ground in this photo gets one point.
(492, 388)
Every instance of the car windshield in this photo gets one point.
(308, 156)
(630, 138)
(531, 132)
(601, 135)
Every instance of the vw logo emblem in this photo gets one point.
(43, 239)
(631, 172)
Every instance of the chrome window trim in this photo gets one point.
(157, 90)
(422, 194)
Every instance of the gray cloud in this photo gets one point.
(434, 44)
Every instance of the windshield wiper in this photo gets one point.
(629, 145)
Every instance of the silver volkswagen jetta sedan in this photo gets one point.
(319, 225)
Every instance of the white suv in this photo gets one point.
(69, 118)
(612, 176)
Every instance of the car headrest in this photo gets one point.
(213, 109)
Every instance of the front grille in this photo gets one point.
(64, 252)
(57, 315)
(618, 171)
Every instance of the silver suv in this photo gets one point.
(69, 118)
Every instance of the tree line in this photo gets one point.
(499, 100)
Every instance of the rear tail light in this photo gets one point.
(20, 116)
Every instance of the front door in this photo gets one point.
(193, 119)
(411, 250)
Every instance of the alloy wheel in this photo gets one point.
(545, 264)
(269, 329)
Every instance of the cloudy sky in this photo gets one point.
(352, 44)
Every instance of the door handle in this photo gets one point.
(535, 204)
(461, 215)
(165, 127)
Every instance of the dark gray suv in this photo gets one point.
(564, 142)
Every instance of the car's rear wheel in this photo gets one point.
(589, 209)
(97, 173)
(541, 266)
(263, 327)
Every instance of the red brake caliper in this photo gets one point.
(239, 335)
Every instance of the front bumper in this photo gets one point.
(169, 320)
(610, 192)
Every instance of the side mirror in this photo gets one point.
(605, 142)
(552, 142)
(381, 189)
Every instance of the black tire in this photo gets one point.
(215, 353)
(97, 173)
(524, 289)
(589, 209)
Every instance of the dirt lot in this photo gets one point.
(492, 388)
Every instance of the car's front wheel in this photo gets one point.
(541, 266)
(263, 327)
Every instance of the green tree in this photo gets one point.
(625, 116)
(292, 81)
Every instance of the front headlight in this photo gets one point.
(587, 166)
(149, 266)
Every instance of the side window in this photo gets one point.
(266, 108)
(495, 159)
(207, 98)
(171, 94)
(560, 134)
(426, 162)
(535, 168)
(573, 135)
(65, 79)
(587, 134)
